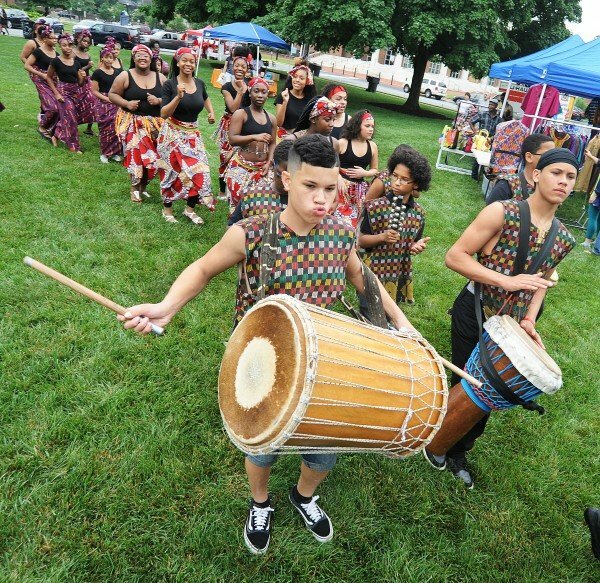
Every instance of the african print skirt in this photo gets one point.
(221, 136)
(182, 163)
(86, 104)
(48, 104)
(105, 114)
(66, 129)
(350, 201)
(241, 174)
(138, 134)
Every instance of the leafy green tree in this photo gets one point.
(211, 11)
(463, 35)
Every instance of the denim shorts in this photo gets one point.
(319, 462)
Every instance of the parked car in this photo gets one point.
(83, 24)
(144, 29)
(430, 88)
(67, 14)
(27, 26)
(16, 17)
(126, 35)
(165, 39)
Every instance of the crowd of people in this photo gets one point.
(307, 166)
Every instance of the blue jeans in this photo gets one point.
(593, 226)
(319, 462)
(596, 248)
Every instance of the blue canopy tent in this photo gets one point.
(504, 70)
(535, 70)
(579, 74)
(247, 32)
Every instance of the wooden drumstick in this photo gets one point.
(461, 373)
(92, 295)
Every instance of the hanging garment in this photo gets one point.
(506, 147)
(584, 179)
(549, 108)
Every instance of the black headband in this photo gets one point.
(556, 156)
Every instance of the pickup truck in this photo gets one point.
(166, 40)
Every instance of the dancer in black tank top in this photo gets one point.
(138, 94)
(37, 66)
(183, 164)
(358, 160)
(83, 40)
(236, 95)
(106, 112)
(253, 132)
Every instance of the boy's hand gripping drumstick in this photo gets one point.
(92, 295)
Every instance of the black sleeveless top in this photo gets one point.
(83, 62)
(337, 132)
(134, 91)
(349, 159)
(251, 126)
(104, 80)
(66, 73)
(42, 60)
(233, 92)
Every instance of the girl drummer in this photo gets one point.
(253, 133)
(236, 96)
(292, 101)
(138, 93)
(183, 164)
(37, 65)
(106, 111)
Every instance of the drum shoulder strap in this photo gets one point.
(375, 312)
(268, 253)
(523, 243)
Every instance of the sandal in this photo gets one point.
(135, 196)
(44, 134)
(193, 217)
(169, 218)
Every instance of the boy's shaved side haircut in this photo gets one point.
(314, 150)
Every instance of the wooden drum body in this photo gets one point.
(297, 378)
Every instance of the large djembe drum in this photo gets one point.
(300, 379)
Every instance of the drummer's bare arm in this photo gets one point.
(481, 236)
(229, 251)
(528, 322)
(355, 277)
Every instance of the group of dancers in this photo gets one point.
(296, 182)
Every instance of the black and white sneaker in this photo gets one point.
(257, 530)
(314, 517)
(437, 461)
(458, 466)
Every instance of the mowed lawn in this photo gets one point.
(114, 465)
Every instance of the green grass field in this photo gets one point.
(114, 465)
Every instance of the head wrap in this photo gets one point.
(322, 107)
(557, 156)
(141, 49)
(38, 22)
(240, 58)
(82, 34)
(107, 50)
(367, 115)
(110, 40)
(336, 89)
(309, 78)
(65, 36)
(256, 80)
(45, 31)
(184, 51)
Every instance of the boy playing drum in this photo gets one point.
(493, 236)
(315, 256)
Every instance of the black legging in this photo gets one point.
(191, 201)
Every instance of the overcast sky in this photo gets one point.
(589, 27)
